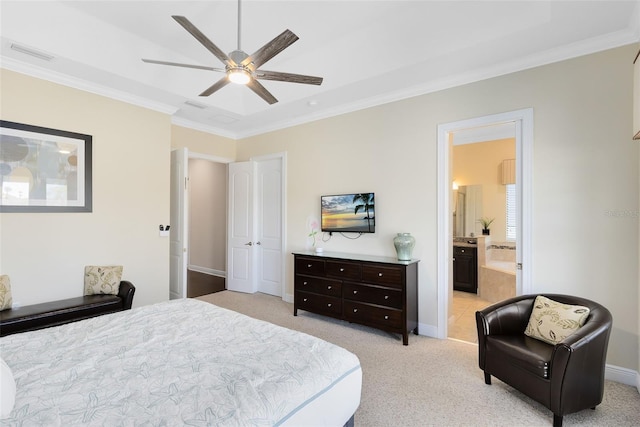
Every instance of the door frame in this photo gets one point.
(184, 225)
(179, 219)
(524, 201)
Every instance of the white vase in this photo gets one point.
(404, 243)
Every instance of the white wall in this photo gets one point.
(45, 253)
(585, 169)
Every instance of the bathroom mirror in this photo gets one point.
(467, 209)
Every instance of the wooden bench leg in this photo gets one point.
(557, 420)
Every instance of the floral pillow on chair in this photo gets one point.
(552, 321)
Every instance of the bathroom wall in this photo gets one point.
(480, 163)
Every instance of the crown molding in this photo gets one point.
(582, 48)
(586, 47)
(190, 124)
(77, 83)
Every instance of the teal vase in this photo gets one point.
(404, 243)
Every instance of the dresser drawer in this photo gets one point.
(318, 285)
(464, 250)
(383, 275)
(372, 315)
(322, 304)
(312, 266)
(344, 270)
(373, 294)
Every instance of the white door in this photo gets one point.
(178, 219)
(241, 239)
(269, 207)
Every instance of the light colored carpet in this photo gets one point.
(430, 382)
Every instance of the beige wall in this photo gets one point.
(585, 171)
(586, 181)
(45, 253)
(202, 142)
(481, 164)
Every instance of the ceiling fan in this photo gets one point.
(241, 68)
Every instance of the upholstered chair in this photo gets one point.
(567, 376)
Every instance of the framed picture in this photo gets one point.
(44, 170)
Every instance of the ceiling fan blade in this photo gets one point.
(288, 77)
(195, 32)
(177, 64)
(262, 92)
(216, 86)
(271, 49)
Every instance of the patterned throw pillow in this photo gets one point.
(552, 321)
(102, 279)
(5, 293)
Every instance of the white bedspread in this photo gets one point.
(181, 362)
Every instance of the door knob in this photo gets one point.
(249, 244)
(258, 243)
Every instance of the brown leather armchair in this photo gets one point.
(567, 377)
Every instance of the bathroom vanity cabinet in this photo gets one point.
(465, 268)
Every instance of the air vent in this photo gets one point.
(32, 52)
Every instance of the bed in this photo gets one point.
(180, 362)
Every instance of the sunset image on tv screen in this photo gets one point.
(348, 213)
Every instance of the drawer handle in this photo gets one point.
(304, 299)
(309, 265)
(379, 274)
(355, 310)
(386, 317)
(341, 270)
(329, 287)
(304, 283)
(386, 297)
(329, 305)
(355, 292)
(461, 250)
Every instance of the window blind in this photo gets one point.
(511, 211)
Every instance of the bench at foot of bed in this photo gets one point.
(54, 313)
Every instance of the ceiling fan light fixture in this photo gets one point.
(239, 76)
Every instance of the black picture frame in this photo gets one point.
(44, 169)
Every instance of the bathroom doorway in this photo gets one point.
(483, 177)
(520, 123)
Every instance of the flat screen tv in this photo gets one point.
(352, 213)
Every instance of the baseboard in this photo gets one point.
(427, 330)
(622, 375)
(611, 372)
(206, 270)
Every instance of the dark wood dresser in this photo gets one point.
(380, 292)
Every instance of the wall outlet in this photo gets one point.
(164, 233)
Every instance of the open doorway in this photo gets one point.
(483, 223)
(207, 226)
(521, 121)
(198, 224)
